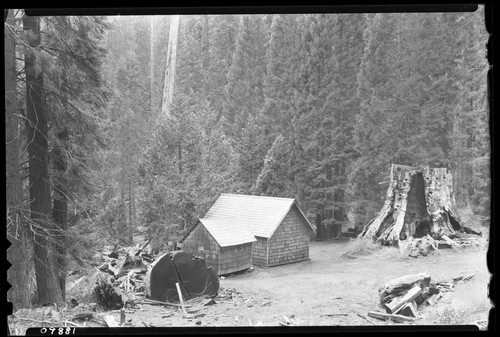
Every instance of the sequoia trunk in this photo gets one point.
(40, 205)
(419, 201)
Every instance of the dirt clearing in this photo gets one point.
(330, 289)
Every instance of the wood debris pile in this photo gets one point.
(424, 245)
(122, 280)
(403, 297)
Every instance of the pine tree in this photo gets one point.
(18, 294)
(243, 92)
(40, 205)
(274, 178)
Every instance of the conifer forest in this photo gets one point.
(126, 124)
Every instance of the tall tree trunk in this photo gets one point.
(60, 209)
(152, 62)
(45, 256)
(131, 209)
(18, 295)
(168, 89)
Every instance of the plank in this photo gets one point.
(394, 317)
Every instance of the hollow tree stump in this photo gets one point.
(419, 202)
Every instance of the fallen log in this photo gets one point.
(393, 317)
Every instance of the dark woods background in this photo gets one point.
(310, 106)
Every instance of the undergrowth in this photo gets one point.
(361, 247)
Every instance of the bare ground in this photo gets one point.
(329, 289)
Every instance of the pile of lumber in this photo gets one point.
(403, 297)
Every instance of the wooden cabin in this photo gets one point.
(225, 246)
(281, 230)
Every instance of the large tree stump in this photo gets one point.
(193, 276)
(419, 202)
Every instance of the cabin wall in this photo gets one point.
(235, 258)
(259, 252)
(200, 243)
(290, 241)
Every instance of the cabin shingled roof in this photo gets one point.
(261, 215)
(227, 232)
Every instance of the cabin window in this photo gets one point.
(201, 248)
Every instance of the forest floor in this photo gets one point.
(334, 289)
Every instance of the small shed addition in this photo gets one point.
(222, 243)
(281, 229)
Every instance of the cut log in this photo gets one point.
(393, 317)
(192, 275)
(401, 285)
(161, 280)
(395, 306)
(196, 277)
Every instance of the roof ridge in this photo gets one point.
(256, 196)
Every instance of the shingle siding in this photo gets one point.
(200, 243)
(290, 241)
(259, 252)
(223, 260)
(235, 258)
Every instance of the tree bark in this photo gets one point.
(419, 201)
(168, 90)
(40, 205)
(18, 295)
(152, 62)
(60, 208)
